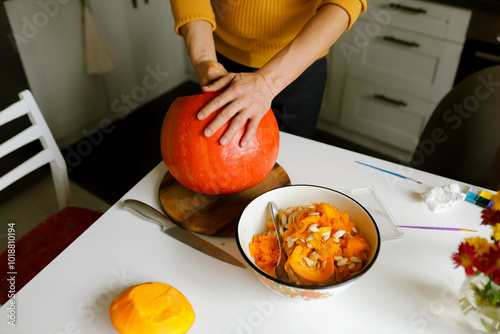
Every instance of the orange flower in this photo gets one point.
(496, 201)
(481, 245)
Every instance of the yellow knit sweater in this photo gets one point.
(251, 32)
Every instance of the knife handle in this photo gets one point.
(146, 211)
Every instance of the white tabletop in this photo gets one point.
(412, 288)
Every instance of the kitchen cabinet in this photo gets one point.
(150, 60)
(387, 73)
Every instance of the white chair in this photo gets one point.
(37, 131)
(42, 244)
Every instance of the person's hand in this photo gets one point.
(209, 71)
(246, 98)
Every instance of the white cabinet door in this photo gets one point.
(421, 66)
(432, 19)
(384, 114)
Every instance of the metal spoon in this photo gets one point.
(279, 270)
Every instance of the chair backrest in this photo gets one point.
(50, 154)
(462, 136)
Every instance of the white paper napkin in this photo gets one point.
(443, 197)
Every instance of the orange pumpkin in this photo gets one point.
(204, 165)
(151, 308)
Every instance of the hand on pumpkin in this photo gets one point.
(209, 71)
(247, 98)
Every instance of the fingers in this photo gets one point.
(245, 100)
(253, 124)
(228, 111)
(215, 104)
(219, 84)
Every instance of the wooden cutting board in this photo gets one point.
(215, 215)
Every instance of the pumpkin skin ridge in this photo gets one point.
(231, 175)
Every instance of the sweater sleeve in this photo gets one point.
(352, 7)
(185, 11)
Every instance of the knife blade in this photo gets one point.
(146, 211)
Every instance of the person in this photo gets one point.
(261, 54)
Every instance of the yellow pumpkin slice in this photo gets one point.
(312, 272)
(151, 308)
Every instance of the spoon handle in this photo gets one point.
(279, 270)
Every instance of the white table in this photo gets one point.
(412, 288)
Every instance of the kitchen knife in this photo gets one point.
(146, 211)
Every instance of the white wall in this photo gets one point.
(151, 60)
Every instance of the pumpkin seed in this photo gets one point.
(342, 262)
(326, 235)
(351, 266)
(355, 259)
(290, 241)
(313, 228)
(289, 210)
(309, 261)
(313, 214)
(354, 229)
(339, 234)
(310, 237)
(338, 258)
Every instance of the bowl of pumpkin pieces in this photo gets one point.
(329, 240)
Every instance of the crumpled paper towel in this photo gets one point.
(443, 197)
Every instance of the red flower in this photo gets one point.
(490, 216)
(466, 257)
(491, 263)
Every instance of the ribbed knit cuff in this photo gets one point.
(185, 11)
(352, 7)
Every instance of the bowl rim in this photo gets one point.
(311, 287)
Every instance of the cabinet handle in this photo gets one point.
(401, 41)
(408, 8)
(388, 99)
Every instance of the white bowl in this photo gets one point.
(256, 214)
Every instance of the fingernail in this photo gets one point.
(207, 132)
(223, 141)
(200, 116)
(243, 143)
